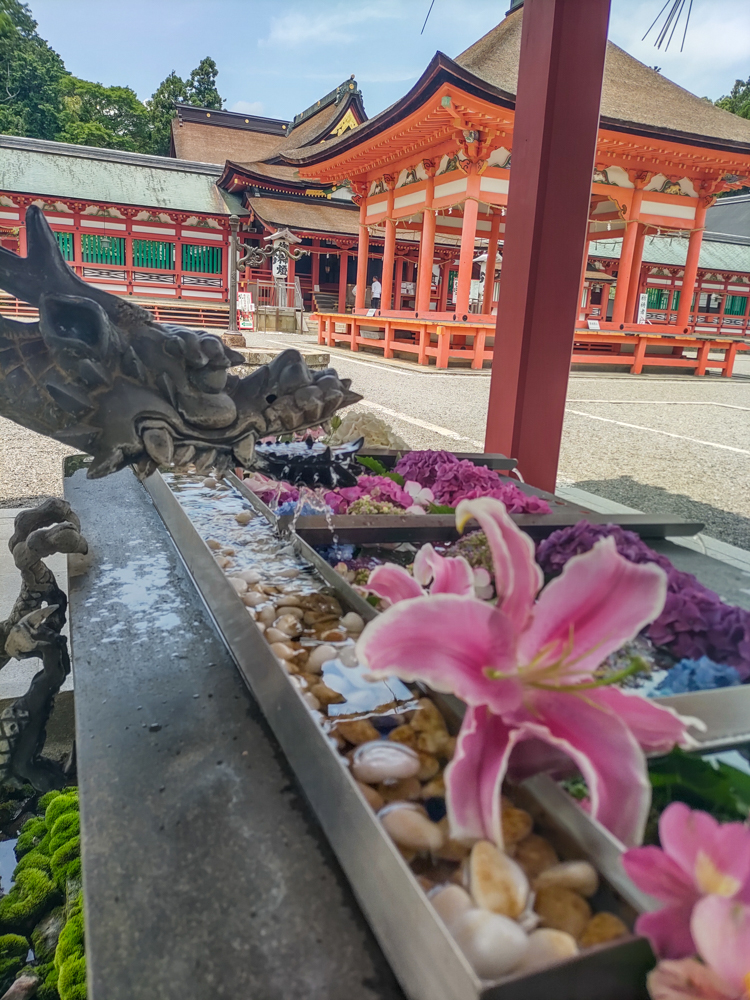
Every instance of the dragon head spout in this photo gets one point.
(96, 372)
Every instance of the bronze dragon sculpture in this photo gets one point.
(97, 372)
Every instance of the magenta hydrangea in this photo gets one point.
(466, 481)
(424, 467)
(379, 488)
(695, 621)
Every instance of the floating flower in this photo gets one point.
(525, 669)
(698, 857)
(721, 930)
(446, 576)
(421, 495)
(688, 979)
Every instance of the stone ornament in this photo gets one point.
(96, 372)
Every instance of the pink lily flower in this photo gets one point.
(721, 929)
(433, 573)
(698, 857)
(525, 670)
(688, 979)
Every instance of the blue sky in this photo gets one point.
(276, 57)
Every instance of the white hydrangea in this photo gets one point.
(376, 432)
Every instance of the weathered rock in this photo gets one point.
(496, 882)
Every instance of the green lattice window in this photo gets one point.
(658, 298)
(102, 249)
(735, 305)
(153, 254)
(205, 259)
(65, 242)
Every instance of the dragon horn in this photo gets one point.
(44, 269)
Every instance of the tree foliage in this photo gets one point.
(40, 99)
(738, 99)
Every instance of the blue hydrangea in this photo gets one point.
(336, 553)
(293, 506)
(697, 675)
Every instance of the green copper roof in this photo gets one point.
(672, 251)
(62, 170)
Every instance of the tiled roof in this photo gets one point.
(672, 251)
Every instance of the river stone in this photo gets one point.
(580, 876)
(381, 760)
(319, 656)
(563, 910)
(547, 946)
(410, 828)
(535, 854)
(353, 622)
(496, 882)
(601, 928)
(451, 902)
(494, 945)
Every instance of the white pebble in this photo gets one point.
(319, 656)
(274, 635)
(289, 624)
(282, 651)
(497, 882)
(251, 612)
(348, 656)
(297, 613)
(212, 543)
(410, 827)
(547, 946)
(451, 902)
(353, 622)
(260, 626)
(384, 760)
(252, 600)
(288, 601)
(493, 944)
(267, 615)
(244, 517)
(310, 700)
(210, 483)
(239, 585)
(250, 576)
(580, 876)
(290, 573)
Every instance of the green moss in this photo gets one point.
(46, 934)
(71, 982)
(70, 942)
(46, 799)
(66, 862)
(13, 952)
(48, 974)
(34, 859)
(31, 835)
(66, 802)
(67, 827)
(33, 893)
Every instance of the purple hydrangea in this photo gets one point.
(466, 481)
(379, 488)
(695, 621)
(423, 467)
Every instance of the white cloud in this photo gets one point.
(248, 107)
(329, 25)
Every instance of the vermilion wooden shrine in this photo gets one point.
(437, 163)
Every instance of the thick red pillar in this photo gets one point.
(691, 265)
(398, 281)
(468, 236)
(631, 307)
(343, 269)
(489, 271)
(563, 44)
(363, 250)
(627, 256)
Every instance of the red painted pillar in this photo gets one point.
(627, 254)
(397, 286)
(563, 44)
(343, 269)
(631, 307)
(363, 250)
(691, 265)
(426, 249)
(290, 276)
(389, 249)
(489, 273)
(315, 265)
(468, 236)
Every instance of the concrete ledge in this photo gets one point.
(255, 357)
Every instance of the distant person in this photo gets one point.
(377, 289)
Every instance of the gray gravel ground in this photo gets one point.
(650, 466)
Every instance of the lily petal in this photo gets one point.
(606, 752)
(660, 876)
(474, 778)
(721, 931)
(600, 601)
(668, 930)
(449, 642)
(687, 979)
(394, 583)
(517, 576)
(657, 728)
(448, 576)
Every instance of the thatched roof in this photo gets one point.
(314, 217)
(631, 94)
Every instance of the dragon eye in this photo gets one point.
(271, 398)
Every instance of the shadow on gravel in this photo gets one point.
(724, 525)
(23, 501)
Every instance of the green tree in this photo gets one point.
(94, 115)
(201, 87)
(738, 99)
(30, 71)
(161, 111)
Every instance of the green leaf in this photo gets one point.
(379, 469)
(335, 422)
(716, 788)
(436, 508)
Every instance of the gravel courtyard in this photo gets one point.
(660, 443)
